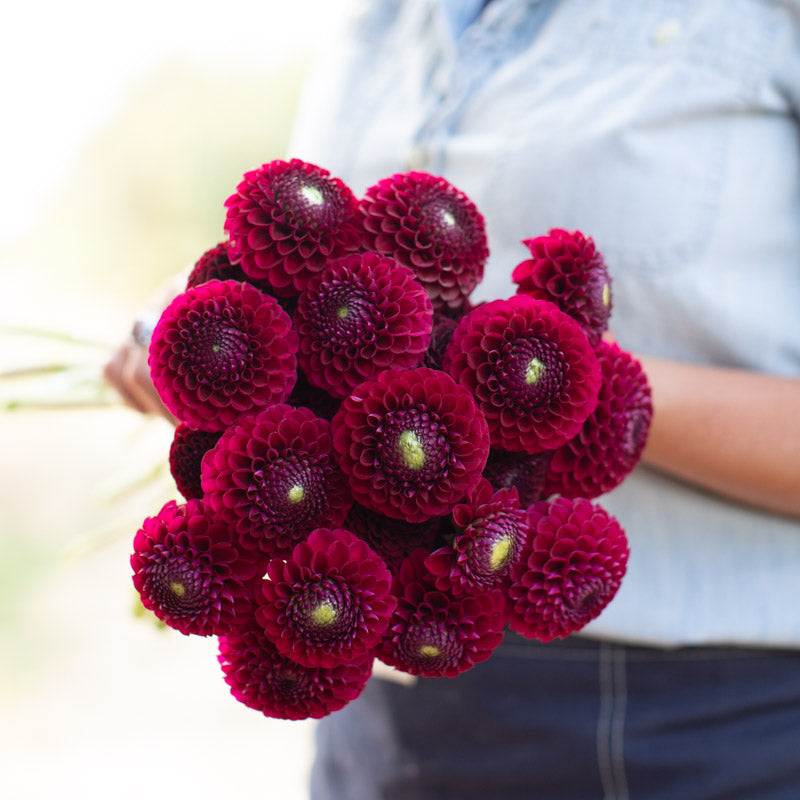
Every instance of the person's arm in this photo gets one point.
(732, 431)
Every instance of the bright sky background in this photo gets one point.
(66, 67)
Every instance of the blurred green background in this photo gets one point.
(112, 186)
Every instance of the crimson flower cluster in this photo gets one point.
(371, 465)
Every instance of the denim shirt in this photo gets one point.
(668, 132)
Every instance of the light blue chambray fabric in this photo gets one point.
(667, 131)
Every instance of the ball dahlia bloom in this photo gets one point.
(524, 472)
(190, 572)
(215, 264)
(611, 441)
(531, 369)
(287, 219)
(426, 223)
(362, 314)
(434, 634)
(487, 534)
(567, 269)
(220, 350)
(263, 679)
(392, 539)
(274, 478)
(570, 570)
(411, 443)
(329, 602)
(185, 457)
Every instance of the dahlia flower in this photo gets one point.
(428, 224)
(568, 270)
(190, 572)
(287, 219)
(362, 314)
(215, 264)
(531, 369)
(411, 443)
(521, 471)
(570, 570)
(274, 478)
(185, 456)
(220, 350)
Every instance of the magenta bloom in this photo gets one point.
(287, 219)
(190, 573)
(411, 442)
(531, 369)
(434, 634)
(185, 456)
(364, 313)
(611, 441)
(570, 570)
(431, 226)
(488, 532)
(392, 539)
(274, 478)
(220, 350)
(568, 270)
(264, 680)
(329, 603)
(215, 264)
(524, 472)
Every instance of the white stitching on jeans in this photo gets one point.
(611, 722)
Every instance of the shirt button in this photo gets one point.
(418, 157)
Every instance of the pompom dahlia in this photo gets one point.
(411, 443)
(220, 350)
(611, 441)
(434, 634)
(488, 532)
(214, 264)
(570, 570)
(568, 270)
(329, 603)
(362, 314)
(392, 539)
(263, 679)
(287, 219)
(426, 223)
(522, 471)
(190, 572)
(185, 456)
(531, 369)
(273, 476)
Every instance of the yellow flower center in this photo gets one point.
(323, 614)
(412, 450)
(312, 195)
(177, 588)
(534, 372)
(606, 295)
(501, 552)
(342, 312)
(296, 493)
(429, 651)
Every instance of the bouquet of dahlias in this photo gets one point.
(371, 466)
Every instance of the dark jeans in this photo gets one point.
(578, 720)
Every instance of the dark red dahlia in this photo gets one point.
(220, 350)
(442, 333)
(392, 539)
(214, 264)
(431, 226)
(190, 572)
(434, 634)
(571, 568)
(264, 680)
(329, 603)
(273, 476)
(611, 441)
(185, 456)
(531, 369)
(524, 472)
(362, 314)
(488, 532)
(568, 270)
(287, 219)
(411, 442)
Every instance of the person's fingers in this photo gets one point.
(116, 373)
